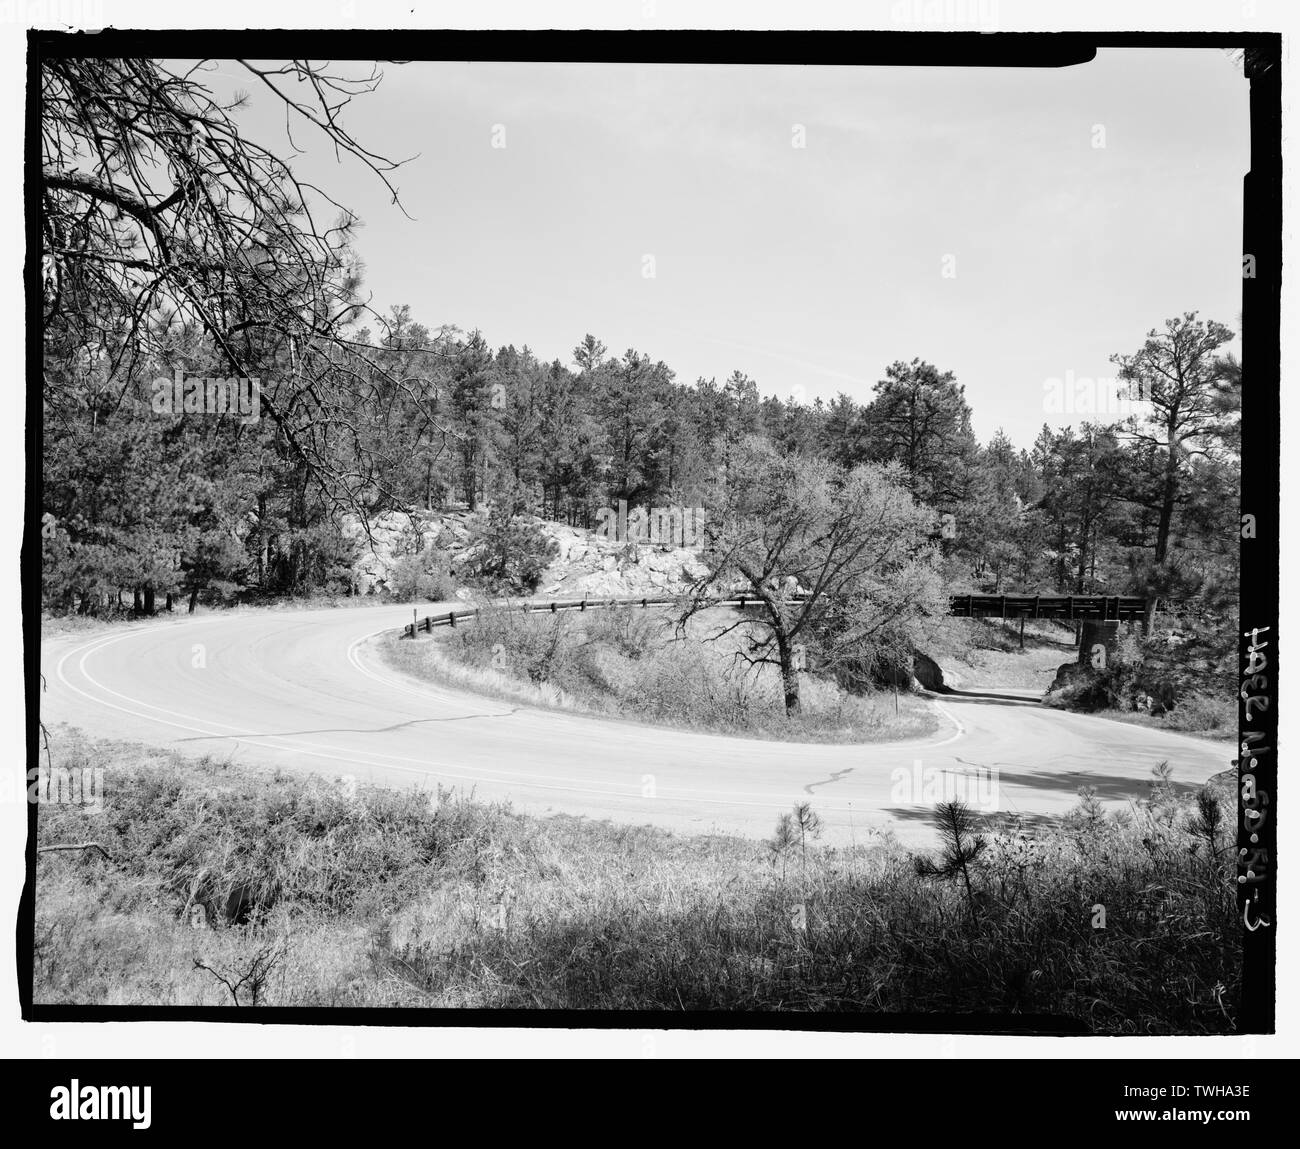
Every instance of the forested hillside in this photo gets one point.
(196, 504)
(173, 244)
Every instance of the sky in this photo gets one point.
(963, 216)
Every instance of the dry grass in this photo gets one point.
(1199, 715)
(384, 897)
(630, 664)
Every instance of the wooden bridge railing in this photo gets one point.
(1072, 607)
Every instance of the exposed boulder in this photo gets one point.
(859, 676)
(928, 673)
(586, 564)
(1077, 686)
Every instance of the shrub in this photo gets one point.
(1158, 673)
(507, 552)
(1201, 712)
(423, 577)
(1126, 926)
(1168, 674)
(507, 639)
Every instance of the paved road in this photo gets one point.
(306, 689)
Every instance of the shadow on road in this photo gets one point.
(1001, 822)
(1107, 786)
(988, 697)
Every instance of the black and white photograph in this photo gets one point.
(653, 530)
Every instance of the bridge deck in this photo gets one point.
(1074, 606)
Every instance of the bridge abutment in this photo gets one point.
(1097, 641)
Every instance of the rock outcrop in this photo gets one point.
(395, 534)
(585, 564)
(928, 673)
(1077, 686)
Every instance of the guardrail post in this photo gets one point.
(552, 607)
(582, 606)
(451, 619)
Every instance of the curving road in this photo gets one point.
(307, 690)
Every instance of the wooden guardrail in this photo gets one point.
(553, 606)
(1071, 607)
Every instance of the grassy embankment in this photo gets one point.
(316, 896)
(1200, 715)
(629, 663)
